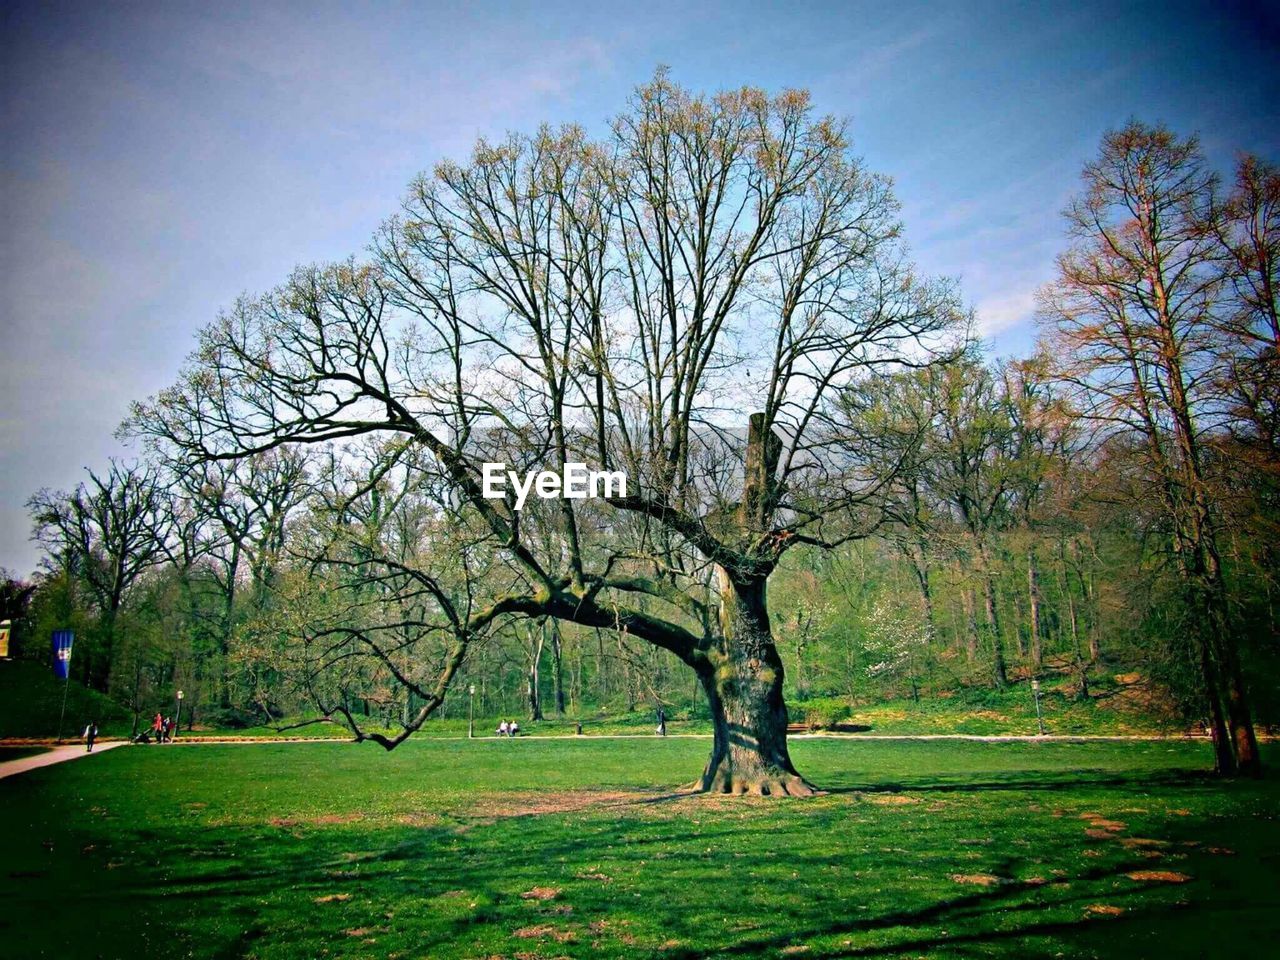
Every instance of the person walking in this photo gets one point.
(90, 735)
(662, 722)
(157, 728)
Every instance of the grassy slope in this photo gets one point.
(336, 850)
(31, 700)
(1114, 710)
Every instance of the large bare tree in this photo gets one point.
(683, 300)
(1137, 318)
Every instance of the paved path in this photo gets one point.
(71, 751)
(984, 738)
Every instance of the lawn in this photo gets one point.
(584, 848)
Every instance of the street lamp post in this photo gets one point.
(1035, 689)
(177, 721)
(471, 713)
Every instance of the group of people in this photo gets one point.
(506, 729)
(161, 730)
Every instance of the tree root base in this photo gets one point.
(765, 785)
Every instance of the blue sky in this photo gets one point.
(157, 160)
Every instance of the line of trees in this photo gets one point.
(832, 492)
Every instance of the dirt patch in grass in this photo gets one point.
(544, 931)
(1101, 823)
(1104, 910)
(541, 893)
(1142, 842)
(321, 820)
(1158, 876)
(890, 800)
(419, 819)
(499, 806)
(333, 898)
(977, 879)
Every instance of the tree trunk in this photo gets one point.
(1229, 679)
(971, 624)
(98, 664)
(137, 692)
(743, 683)
(557, 660)
(1090, 601)
(1224, 758)
(1081, 665)
(920, 565)
(1033, 597)
(226, 627)
(999, 671)
(535, 660)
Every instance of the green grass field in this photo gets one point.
(577, 848)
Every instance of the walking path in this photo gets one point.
(71, 751)
(986, 738)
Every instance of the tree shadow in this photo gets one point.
(1050, 781)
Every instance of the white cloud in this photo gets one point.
(1002, 312)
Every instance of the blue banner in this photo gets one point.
(62, 640)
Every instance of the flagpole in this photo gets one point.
(65, 684)
(62, 664)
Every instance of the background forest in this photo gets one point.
(1098, 517)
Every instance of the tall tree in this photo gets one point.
(619, 303)
(971, 454)
(1135, 313)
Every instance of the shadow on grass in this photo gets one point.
(792, 871)
(1021, 782)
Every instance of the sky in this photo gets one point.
(158, 160)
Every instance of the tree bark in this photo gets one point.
(1081, 665)
(535, 660)
(557, 660)
(971, 624)
(1033, 599)
(743, 683)
(100, 663)
(920, 566)
(999, 670)
(1224, 758)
